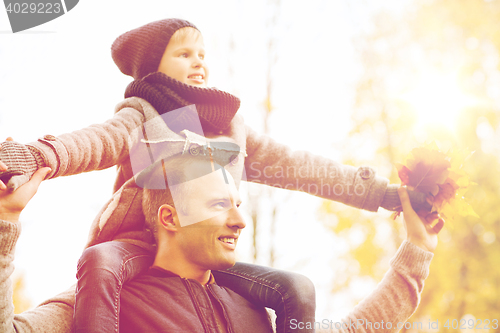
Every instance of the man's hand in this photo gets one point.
(12, 203)
(418, 226)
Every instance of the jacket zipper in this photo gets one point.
(196, 305)
(228, 325)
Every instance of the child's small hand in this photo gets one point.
(392, 202)
(3, 168)
(419, 201)
(18, 164)
(418, 226)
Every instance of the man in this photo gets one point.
(196, 224)
(159, 295)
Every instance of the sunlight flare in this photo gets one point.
(437, 99)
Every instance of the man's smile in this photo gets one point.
(228, 241)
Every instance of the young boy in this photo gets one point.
(166, 59)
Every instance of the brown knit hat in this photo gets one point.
(138, 52)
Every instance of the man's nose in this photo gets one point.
(235, 219)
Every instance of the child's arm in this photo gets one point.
(96, 147)
(275, 164)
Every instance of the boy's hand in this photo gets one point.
(22, 162)
(12, 203)
(4, 174)
(392, 202)
(418, 226)
(3, 168)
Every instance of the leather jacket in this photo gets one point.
(160, 301)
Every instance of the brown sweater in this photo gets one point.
(394, 300)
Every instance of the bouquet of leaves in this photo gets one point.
(441, 178)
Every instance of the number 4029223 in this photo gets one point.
(471, 323)
(32, 8)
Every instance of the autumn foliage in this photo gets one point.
(440, 177)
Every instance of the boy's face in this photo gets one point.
(184, 61)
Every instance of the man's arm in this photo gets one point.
(52, 316)
(397, 296)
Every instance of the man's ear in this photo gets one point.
(167, 216)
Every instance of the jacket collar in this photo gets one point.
(157, 271)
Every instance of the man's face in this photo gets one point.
(210, 243)
(184, 59)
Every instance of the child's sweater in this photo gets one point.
(262, 160)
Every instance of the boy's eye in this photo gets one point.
(202, 56)
(184, 55)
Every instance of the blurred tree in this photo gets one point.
(431, 74)
(259, 194)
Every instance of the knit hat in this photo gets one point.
(138, 52)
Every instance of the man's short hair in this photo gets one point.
(168, 179)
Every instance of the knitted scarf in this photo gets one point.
(215, 108)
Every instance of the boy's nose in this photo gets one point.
(197, 63)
